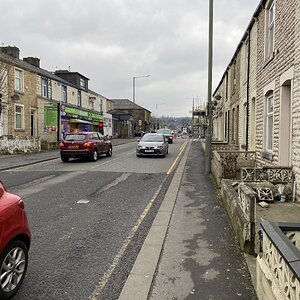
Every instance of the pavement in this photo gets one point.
(190, 251)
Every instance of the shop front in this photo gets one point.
(74, 119)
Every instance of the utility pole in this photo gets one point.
(192, 128)
(209, 91)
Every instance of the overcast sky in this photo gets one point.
(110, 41)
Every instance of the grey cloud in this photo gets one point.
(110, 41)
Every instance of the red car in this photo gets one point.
(84, 145)
(14, 243)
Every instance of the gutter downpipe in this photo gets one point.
(248, 87)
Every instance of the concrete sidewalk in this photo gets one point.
(9, 161)
(190, 251)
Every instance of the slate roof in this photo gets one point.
(126, 104)
(27, 66)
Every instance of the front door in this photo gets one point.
(32, 123)
(285, 125)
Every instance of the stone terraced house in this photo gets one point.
(38, 105)
(256, 104)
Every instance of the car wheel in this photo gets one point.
(64, 159)
(109, 152)
(138, 155)
(13, 264)
(95, 155)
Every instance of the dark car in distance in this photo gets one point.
(152, 144)
(167, 133)
(84, 145)
(15, 240)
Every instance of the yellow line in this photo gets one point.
(121, 252)
(174, 163)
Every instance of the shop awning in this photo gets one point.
(80, 121)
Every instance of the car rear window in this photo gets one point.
(153, 138)
(164, 131)
(75, 137)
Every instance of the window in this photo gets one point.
(95, 136)
(246, 59)
(269, 123)
(233, 77)
(270, 29)
(82, 83)
(64, 93)
(79, 98)
(18, 80)
(226, 91)
(19, 116)
(245, 124)
(232, 125)
(45, 86)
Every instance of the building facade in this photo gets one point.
(258, 96)
(45, 105)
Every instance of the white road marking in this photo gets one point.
(123, 177)
(121, 252)
(83, 201)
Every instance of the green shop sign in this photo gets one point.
(81, 114)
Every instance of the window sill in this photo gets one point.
(19, 92)
(268, 59)
(19, 130)
(267, 155)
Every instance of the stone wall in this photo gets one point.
(27, 98)
(19, 145)
(240, 207)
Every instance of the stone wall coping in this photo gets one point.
(285, 247)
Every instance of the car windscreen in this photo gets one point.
(75, 137)
(152, 138)
(164, 131)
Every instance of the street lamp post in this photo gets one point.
(209, 91)
(133, 85)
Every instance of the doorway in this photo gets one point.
(285, 125)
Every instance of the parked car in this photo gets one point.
(139, 133)
(152, 144)
(167, 133)
(84, 145)
(15, 240)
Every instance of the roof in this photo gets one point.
(27, 66)
(244, 37)
(118, 112)
(126, 104)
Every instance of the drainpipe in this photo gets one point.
(248, 100)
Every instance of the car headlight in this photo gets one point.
(160, 147)
(139, 147)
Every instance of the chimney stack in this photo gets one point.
(34, 61)
(11, 50)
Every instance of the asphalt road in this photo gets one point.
(88, 220)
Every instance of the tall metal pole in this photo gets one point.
(209, 91)
(133, 89)
(133, 85)
(192, 128)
